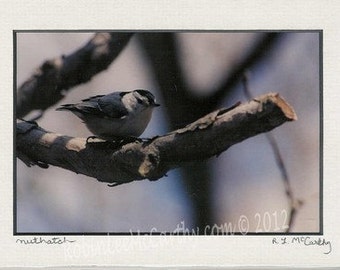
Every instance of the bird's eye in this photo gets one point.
(139, 101)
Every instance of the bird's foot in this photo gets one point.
(91, 137)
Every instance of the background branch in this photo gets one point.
(183, 106)
(206, 137)
(44, 88)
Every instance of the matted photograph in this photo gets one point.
(168, 132)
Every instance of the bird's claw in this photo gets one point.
(90, 137)
(114, 184)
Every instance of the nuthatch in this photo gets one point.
(116, 115)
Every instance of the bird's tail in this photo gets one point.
(67, 107)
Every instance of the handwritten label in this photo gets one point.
(304, 241)
(41, 240)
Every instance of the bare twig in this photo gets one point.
(208, 136)
(294, 203)
(44, 88)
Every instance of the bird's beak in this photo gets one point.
(156, 105)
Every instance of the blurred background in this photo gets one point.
(242, 186)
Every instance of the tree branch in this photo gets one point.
(162, 51)
(183, 106)
(44, 88)
(208, 136)
(259, 52)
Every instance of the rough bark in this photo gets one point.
(45, 87)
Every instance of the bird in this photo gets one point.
(118, 115)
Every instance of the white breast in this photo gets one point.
(133, 124)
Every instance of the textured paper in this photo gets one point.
(213, 251)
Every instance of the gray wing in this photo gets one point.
(100, 105)
(111, 105)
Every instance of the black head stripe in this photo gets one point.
(146, 94)
(122, 94)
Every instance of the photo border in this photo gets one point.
(321, 218)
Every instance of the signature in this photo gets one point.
(41, 240)
(304, 240)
